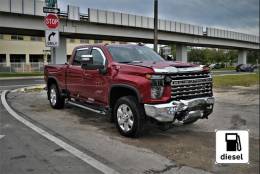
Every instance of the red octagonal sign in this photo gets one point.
(51, 21)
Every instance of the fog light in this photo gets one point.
(210, 107)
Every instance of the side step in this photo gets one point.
(87, 108)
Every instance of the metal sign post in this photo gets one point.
(155, 46)
(52, 35)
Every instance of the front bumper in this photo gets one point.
(182, 109)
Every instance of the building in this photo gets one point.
(31, 49)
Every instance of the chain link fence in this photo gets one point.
(22, 67)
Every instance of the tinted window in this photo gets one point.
(97, 57)
(78, 55)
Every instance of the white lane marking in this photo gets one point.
(2, 136)
(81, 155)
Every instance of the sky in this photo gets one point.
(235, 15)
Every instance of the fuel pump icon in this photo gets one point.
(233, 142)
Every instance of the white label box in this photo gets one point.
(232, 146)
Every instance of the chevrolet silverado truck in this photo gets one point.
(131, 84)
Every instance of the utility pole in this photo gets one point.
(155, 45)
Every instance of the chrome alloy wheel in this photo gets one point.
(125, 118)
(53, 96)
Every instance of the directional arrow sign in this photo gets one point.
(1, 136)
(51, 10)
(51, 38)
(51, 35)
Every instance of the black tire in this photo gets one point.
(59, 103)
(138, 116)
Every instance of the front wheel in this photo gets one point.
(129, 116)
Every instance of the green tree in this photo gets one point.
(253, 56)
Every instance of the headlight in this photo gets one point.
(157, 77)
(157, 92)
(157, 85)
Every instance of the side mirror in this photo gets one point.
(87, 63)
(86, 59)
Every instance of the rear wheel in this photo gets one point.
(129, 116)
(56, 100)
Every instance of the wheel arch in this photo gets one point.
(119, 90)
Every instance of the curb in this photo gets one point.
(223, 71)
(21, 78)
(23, 89)
(232, 74)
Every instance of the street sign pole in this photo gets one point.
(155, 46)
(52, 34)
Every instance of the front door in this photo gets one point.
(75, 73)
(94, 83)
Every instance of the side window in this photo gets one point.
(98, 58)
(79, 53)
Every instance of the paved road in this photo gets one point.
(24, 151)
(17, 83)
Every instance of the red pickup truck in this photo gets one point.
(131, 84)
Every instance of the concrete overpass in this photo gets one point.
(26, 17)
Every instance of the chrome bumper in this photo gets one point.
(198, 107)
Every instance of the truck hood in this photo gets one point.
(168, 66)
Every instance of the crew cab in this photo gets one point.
(131, 84)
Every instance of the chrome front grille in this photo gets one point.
(191, 85)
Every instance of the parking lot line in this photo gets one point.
(74, 151)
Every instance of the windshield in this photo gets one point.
(133, 53)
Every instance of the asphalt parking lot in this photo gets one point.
(182, 149)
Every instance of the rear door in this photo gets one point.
(75, 73)
(94, 83)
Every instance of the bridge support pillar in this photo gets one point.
(181, 53)
(27, 59)
(242, 57)
(59, 54)
(8, 61)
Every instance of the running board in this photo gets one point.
(87, 108)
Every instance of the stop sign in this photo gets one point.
(52, 21)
